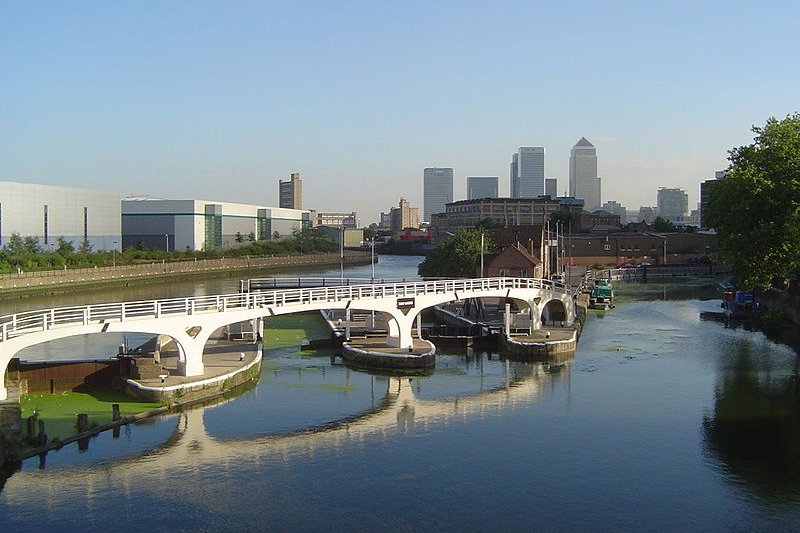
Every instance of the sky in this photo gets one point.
(220, 100)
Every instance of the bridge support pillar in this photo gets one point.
(400, 330)
(190, 354)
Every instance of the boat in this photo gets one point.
(602, 295)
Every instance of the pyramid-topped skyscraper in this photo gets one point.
(583, 180)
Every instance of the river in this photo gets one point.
(660, 422)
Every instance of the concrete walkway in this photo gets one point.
(541, 335)
(378, 345)
(219, 357)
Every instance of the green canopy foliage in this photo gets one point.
(664, 226)
(457, 256)
(756, 208)
(570, 220)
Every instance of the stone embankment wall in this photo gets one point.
(787, 302)
(27, 281)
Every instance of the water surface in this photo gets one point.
(660, 422)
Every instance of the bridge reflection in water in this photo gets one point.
(190, 447)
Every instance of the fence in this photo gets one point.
(87, 275)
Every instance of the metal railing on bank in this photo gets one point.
(195, 265)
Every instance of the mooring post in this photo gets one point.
(42, 435)
(115, 412)
(83, 422)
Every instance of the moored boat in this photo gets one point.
(602, 295)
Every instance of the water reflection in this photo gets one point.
(754, 430)
(402, 404)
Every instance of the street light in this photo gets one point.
(166, 237)
(372, 241)
(114, 255)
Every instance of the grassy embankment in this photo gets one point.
(291, 330)
(59, 411)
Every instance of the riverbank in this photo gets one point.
(58, 281)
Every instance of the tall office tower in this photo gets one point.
(527, 172)
(437, 191)
(583, 180)
(615, 208)
(290, 192)
(706, 190)
(513, 181)
(673, 204)
(551, 187)
(481, 187)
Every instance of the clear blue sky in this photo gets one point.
(219, 100)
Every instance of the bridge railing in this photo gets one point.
(35, 321)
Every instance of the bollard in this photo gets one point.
(115, 412)
(83, 422)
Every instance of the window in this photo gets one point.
(45, 225)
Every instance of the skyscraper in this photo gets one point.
(551, 187)
(437, 191)
(481, 187)
(290, 192)
(706, 190)
(527, 172)
(673, 204)
(583, 180)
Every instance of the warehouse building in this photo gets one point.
(204, 225)
(48, 213)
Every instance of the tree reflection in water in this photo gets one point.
(755, 427)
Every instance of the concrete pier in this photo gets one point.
(545, 342)
(376, 353)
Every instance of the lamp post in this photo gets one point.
(114, 255)
(341, 255)
(372, 242)
(482, 272)
(166, 240)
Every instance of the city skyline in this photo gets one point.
(220, 102)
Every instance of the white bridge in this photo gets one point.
(191, 321)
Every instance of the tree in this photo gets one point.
(86, 247)
(570, 219)
(756, 208)
(30, 245)
(239, 237)
(251, 236)
(64, 247)
(15, 244)
(456, 257)
(664, 226)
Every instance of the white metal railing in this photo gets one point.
(35, 321)
(305, 282)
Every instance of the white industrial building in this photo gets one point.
(48, 212)
(204, 225)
